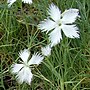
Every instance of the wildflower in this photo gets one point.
(46, 51)
(12, 1)
(57, 22)
(23, 70)
(27, 1)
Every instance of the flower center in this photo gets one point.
(26, 65)
(59, 22)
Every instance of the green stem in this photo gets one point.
(62, 84)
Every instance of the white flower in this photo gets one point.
(10, 2)
(27, 1)
(46, 51)
(57, 22)
(23, 71)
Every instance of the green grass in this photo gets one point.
(68, 67)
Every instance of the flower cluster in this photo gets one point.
(53, 25)
(23, 69)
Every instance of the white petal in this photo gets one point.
(10, 2)
(24, 55)
(36, 59)
(46, 51)
(69, 16)
(55, 36)
(46, 25)
(70, 31)
(27, 1)
(16, 68)
(54, 12)
(24, 75)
